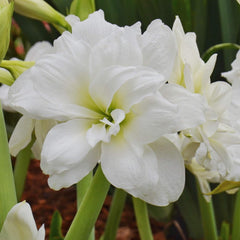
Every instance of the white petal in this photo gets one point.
(119, 48)
(178, 30)
(188, 78)
(156, 177)
(96, 133)
(55, 88)
(145, 83)
(65, 81)
(38, 50)
(76, 172)
(121, 87)
(65, 146)
(93, 29)
(24, 99)
(21, 135)
(205, 70)
(124, 169)
(20, 224)
(159, 48)
(42, 127)
(171, 172)
(150, 119)
(191, 106)
(4, 89)
(72, 19)
(219, 96)
(189, 51)
(41, 233)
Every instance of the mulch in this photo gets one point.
(45, 201)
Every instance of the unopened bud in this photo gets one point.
(41, 10)
(82, 8)
(6, 10)
(16, 67)
(6, 77)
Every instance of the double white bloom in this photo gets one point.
(105, 87)
(20, 225)
(210, 150)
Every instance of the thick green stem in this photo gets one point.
(90, 207)
(7, 188)
(218, 47)
(115, 213)
(236, 218)
(21, 168)
(208, 217)
(82, 188)
(141, 213)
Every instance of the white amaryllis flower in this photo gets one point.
(20, 225)
(22, 133)
(103, 84)
(210, 150)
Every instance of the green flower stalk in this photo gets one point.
(40, 10)
(6, 10)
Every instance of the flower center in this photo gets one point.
(106, 127)
(113, 123)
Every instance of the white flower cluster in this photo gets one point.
(211, 150)
(114, 96)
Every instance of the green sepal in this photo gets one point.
(56, 227)
(224, 186)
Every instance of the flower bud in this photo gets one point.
(16, 67)
(6, 10)
(40, 10)
(6, 77)
(82, 8)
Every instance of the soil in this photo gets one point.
(45, 201)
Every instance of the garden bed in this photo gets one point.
(45, 201)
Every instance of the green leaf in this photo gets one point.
(199, 18)
(236, 218)
(55, 228)
(225, 229)
(229, 19)
(34, 30)
(183, 8)
(7, 187)
(62, 5)
(189, 210)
